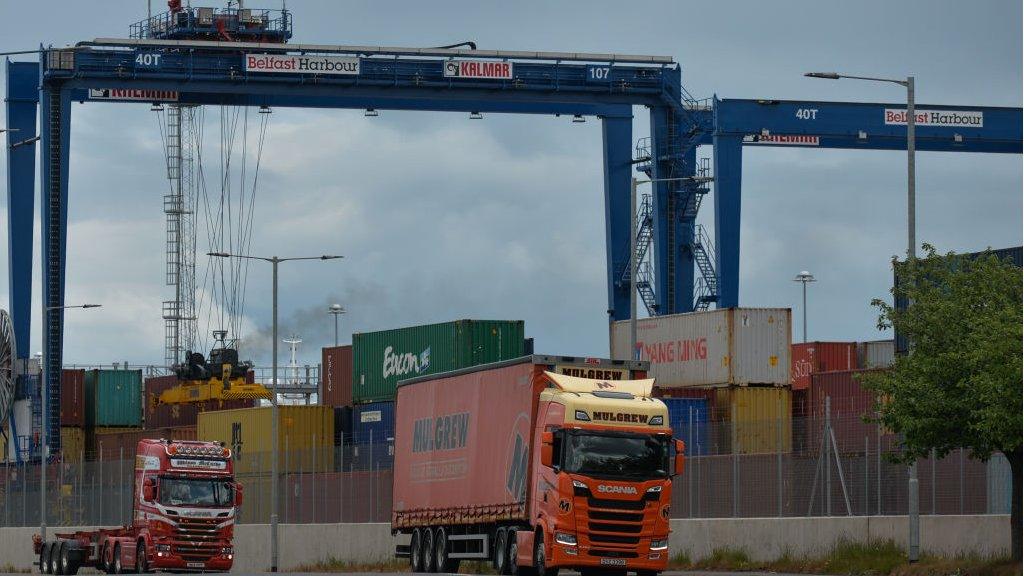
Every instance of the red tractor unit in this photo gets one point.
(184, 508)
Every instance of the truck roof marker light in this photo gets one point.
(656, 421)
(582, 416)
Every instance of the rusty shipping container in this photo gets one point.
(305, 437)
(111, 443)
(850, 402)
(876, 354)
(811, 357)
(72, 398)
(72, 444)
(336, 376)
(727, 347)
(174, 415)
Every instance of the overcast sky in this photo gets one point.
(440, 217)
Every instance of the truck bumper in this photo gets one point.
(219, 563)
(584, 556)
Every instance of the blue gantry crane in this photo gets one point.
(240, 58)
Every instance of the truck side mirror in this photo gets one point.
(547, 448)
(680, 457)
(149, 490)
(238, 495)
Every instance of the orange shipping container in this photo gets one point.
(813, 357)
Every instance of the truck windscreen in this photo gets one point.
(196, 492)
(633, 456)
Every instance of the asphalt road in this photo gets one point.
(671, 573)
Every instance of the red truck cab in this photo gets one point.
(185, 501)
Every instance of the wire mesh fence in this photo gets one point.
(765, 468)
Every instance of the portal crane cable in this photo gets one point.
(229, 221)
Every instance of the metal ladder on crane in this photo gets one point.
(54, 257)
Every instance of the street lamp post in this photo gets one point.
(336, 310)
(913, 507)
(635, 264)
(44, 447)
(274, 261)
(804, 277)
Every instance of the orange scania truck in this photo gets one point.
(535, 464)
(184, 507)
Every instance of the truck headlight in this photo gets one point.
(565, 539)
(659, 544)
(163, 547)
(656, 421)
(653, 493)
(580, 489)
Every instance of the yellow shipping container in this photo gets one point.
(305, 437)
(72, 444)
(755, 420)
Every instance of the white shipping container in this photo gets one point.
(728, 347)
(876, 354)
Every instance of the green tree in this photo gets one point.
(961, 384)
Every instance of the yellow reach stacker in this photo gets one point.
(222, 377)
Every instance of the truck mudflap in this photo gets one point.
(524, 548)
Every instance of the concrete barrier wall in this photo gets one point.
(761, 538)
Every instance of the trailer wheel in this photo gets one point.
(44, 557)
(54, 563)
(512, 554)
(441, 550)
(416, 551)
(428, 550)
(118, 567)
(68, 561)
(500, 558)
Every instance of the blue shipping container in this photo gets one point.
(689, 420)
(373, 436)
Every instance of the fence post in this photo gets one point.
(102, 514)
(341, 479)
(689, 477)
(24, 487)
(287, 496)
(866, 481)
(878, 468)
(961, 481)
(735, 462)
(120, 480)
(933, 481)
(313, 476)
(778, 456)
(7, 491)
(828, 456)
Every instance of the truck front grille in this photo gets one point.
(621, 528)
(610, 539)
(612, 554)
(615, 504)
(197, 540)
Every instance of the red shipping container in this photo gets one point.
(111, 443)
(72, 398)
(812, 357)
(849, 402)
(336, 376)
(175, 415)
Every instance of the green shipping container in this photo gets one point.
(381, 359)
(113, 398)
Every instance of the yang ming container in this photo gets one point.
(305, 437)
(812, 357)
(336, 376)
(113, 398)
(381, 359)
(727, 347)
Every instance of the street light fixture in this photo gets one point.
(913, 507)
(336, 310)
(274, 261)
(44, 448)
(804, 277)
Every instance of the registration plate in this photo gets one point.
(613, 561)
(196, 565)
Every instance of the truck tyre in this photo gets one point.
(416, 551)
(428, 550)
(54, 563)
(500, 555)
(64, 558)
(442, 549)
(540, 558)
(141, 565)
(44, 558)
(118, 567)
